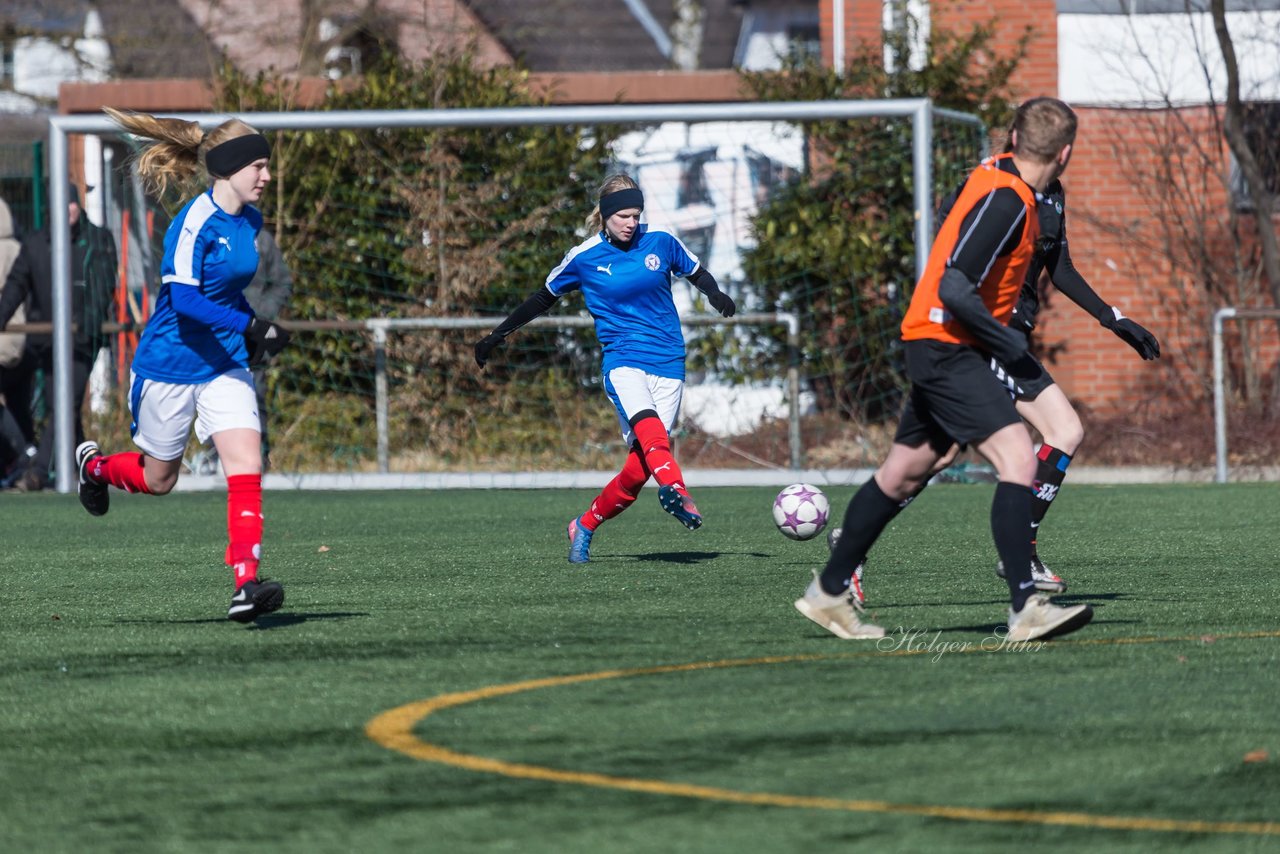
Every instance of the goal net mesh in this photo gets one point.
(810, 218)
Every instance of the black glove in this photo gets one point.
(722, 303)
(485, 346)
(264, 339)
(1134, 335)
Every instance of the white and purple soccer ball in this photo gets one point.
(800, 511)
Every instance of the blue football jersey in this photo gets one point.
(629, 295)
(210, 249)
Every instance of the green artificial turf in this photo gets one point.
(135, 717)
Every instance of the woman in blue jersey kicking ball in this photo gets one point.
(624, 272)
(193, 361)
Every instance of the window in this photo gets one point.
(1158, 7)
(6, 61)
(804, 40)
(1261, 129)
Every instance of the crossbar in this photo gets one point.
(919, 110)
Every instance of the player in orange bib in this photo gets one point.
(957, 321)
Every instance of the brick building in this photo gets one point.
(1129, 224)
(1154, 209)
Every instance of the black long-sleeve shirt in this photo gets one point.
(1052, 255)
(992, 228)
(93, 271)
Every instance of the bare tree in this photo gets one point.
(1260, 193)
(1199, 249)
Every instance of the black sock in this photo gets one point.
(868, 514)
(1010, 524)
(1051, 470)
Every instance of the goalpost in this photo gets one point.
(728, 383)
(1220, 318)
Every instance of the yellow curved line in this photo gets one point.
(393, 729)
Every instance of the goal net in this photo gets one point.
(407, 234)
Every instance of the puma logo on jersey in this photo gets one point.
(225, 242)
(1047, 492)
(605, 269)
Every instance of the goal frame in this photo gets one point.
(920, 111)
(1220, 318)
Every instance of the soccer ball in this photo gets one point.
(800, 511)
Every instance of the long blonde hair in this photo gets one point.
(175, 157)
(612, 184)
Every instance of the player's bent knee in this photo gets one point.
(897, 484)
(163, 486)
(1072, 441)
(162, 482)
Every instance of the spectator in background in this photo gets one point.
(268, 294)
(16, 445)
(30, 283)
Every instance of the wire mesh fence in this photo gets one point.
(812, 217)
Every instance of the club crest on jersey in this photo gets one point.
(605, 269)
(652, 262)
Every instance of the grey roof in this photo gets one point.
(148, 38)
(155, 39)
(19, 130)
(54, 17)
(602, 35)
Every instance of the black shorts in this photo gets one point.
(1031, 378)
(1028, 379)
(955, 398)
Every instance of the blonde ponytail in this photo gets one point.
(175, 156)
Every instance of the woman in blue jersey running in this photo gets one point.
(193, 361)
(624, 272)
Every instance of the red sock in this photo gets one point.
(618, 493)
(656, 446)
(244, 525)
(123, 471)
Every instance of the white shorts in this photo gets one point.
(633, 391)
(163, 412)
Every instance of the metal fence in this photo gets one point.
(918, 112)
(1220, 318)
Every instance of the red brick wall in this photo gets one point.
(863, 23)
(1092, 364)
(1134, 229)
(1039, 72)
(1112, 237)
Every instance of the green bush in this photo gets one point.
(837, 247)
(419, 223)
